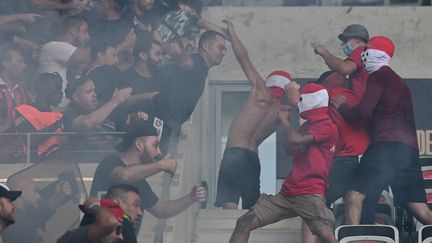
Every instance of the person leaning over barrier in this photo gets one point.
(7, 207)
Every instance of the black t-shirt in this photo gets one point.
(93, 147)
(147, 22)
(140, 85)
(129, 235)
(181, 89)
(25, 228)
(27, 224)
(102, 182)
(79, 235)
(116, 121)
(109, 31)
(106, 79)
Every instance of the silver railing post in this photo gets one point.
(28, 148)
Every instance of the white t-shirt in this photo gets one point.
(53, 58)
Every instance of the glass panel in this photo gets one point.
(231, 104)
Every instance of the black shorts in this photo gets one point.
(342, 172)
(390, 163)
(239, 175)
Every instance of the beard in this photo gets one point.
(8, 220)
(152, 66)
(146, 158)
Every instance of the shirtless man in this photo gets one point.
(240, 168)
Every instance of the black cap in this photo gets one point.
(354, 30)
(7, 193)
(136, 130)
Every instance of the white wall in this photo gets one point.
(281, 37)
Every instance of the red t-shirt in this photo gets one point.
(359, 77)
(353, 136)
(311, 163)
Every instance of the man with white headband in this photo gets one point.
(258, 118)
(302, 193)
(393, 157)
(353, 141)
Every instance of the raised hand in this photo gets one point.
(284, 114)
(141, 115)
(229, 30)
(79, 4)
(151, 95)
(292, 85)
(89, 203)
(320, 49)
(168, 164)
(338, 100)
(174, 48)
(120, 95)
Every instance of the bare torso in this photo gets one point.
(257, 119)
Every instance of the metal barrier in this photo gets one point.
(24, 141)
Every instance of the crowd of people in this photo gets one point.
(100, 67)
(115, 76)
(80, 72)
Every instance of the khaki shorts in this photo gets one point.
(311, 208)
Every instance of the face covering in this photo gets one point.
(374, 59)
(313, 100)
(348, 48)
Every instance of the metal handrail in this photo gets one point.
(29, 135)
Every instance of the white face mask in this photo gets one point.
(313, 100)
(374, 59)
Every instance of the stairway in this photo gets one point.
(217, 225)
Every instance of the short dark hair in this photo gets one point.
(144, 43)
(119, 190)
(100, 47)
(196, 5)
(208, 36)
(70, 22)
(73, 85)
(45, 79)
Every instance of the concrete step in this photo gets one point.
(217, 225)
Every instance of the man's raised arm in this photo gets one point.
(242, 56)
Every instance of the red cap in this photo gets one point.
(281, 73)
(382, 43)
(278, 78)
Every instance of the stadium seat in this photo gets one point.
(367, 234)
(425, 234)
(426, 167)
(385, 212)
